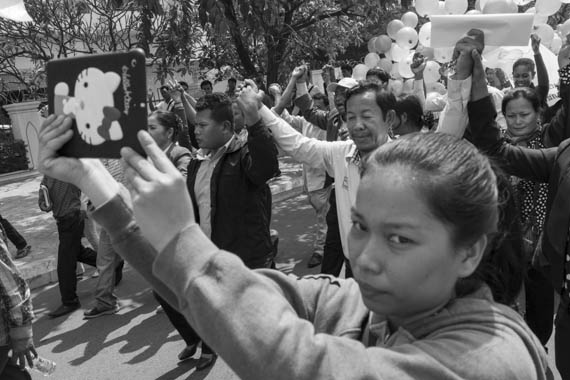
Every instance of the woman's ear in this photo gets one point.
(391, 118)
(470, 257)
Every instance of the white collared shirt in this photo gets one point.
(202, 184)
(336, 157)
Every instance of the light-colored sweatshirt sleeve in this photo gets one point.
(454, 117)
(315, 153)
(267, 325)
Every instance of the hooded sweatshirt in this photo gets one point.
(267, 325)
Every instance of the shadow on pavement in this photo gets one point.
(136, 304)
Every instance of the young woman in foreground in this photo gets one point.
(419, 307)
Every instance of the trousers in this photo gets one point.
(69, 252)
(12, 234)
(181, 325)
(107, 262)
(319, 200)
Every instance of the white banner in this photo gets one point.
(511, 29)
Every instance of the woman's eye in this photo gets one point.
(358, 226)
(398, 239)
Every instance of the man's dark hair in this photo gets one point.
(346, 66)
(220, 105)
(378, 73)
(205, 83)
(183, 84)
(524, 62)
(384, 98)
(321, 96)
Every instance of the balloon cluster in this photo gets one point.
(394, 51)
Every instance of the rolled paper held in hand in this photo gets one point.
(499, 29)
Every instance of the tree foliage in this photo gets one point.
(167, 32)
(264, 36)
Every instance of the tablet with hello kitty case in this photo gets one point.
(105, 94)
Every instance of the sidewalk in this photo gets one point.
(19, 205)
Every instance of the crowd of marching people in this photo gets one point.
(451, 222)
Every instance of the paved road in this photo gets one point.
(139, 343)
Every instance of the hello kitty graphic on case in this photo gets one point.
(105, 95)
(92, 105)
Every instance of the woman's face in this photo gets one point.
(521, 117)
(159, 133)
(402, 256)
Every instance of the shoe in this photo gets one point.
(63, 310)
(119, 272)
(95, 274)
(21, 253)
(187, 352)
(205, 361)
(80, 271)
(99, 311)
(315, 260)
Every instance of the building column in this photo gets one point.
(26, 122)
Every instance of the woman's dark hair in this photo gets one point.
(384, 98)
(411, 106)
(220, 104)
(169, 120)
(205, 83)
(463, 191)
(521, 92)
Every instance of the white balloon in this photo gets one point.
(435, 87)
(456, 7)
(500, 6)
(427, 52)
(431, 72)
(398, 53)
(372, 44)
(393, 27)
(385, 64)
(522, 2)
(440, 9)
(404, 66)
(564, 1)
(410, 19)
(443, 55)
(564, 28)
(408, 86)
(545, 32)
(425, 34)
(394, 73)
(556, 44)
(547, 7)
(396, 86)
(383, 43)
(371, 60)
(426, 7)
(478, 5)
(359, 72)
(407, 37)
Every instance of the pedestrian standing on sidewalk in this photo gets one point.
(109, 264)
(18, 240)
(16, 314)
(66, 208)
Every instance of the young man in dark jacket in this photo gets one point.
(227, 182)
